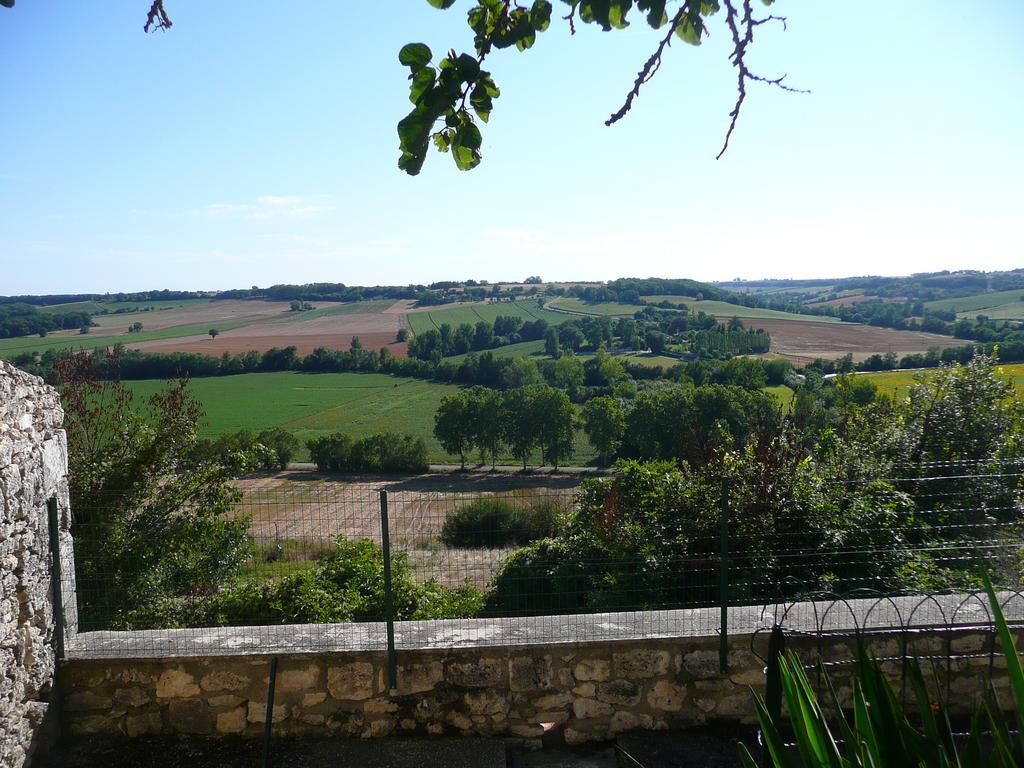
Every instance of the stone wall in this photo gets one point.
(591, 692)
(33, 469)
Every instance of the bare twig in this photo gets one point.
(649, 69)
(742, 31)
(157, 18)
(571, 18)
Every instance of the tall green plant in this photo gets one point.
(879, 733)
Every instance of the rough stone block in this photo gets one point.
(191, 716)
(585, 709)
(477, 673)
(233, 721)
(529, 673)
(176, 684)
(222, 680)
(486, 703)
(597, 670)
(132, 697)
(304, 678)
(87, 700)
(666, 696)
(351, 682)
(143, 725)
(419, 678)
(257, 712)
(622, 692)
(641, 663)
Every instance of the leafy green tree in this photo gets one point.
(483, 335)
(604, 423)
(551, 345)
(521, 373)
(453, 425)
(152, 525)
(487, 408)
(570, 337)
(555, 419)
(569, 374)
(520, 429)
(603, 370)
(214, 333)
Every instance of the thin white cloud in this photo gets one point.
(272, 207)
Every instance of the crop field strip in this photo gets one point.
(998, 305)
(113, 306)
(725, 309)
(423, 321)
(896, 383)
(281, 325)
(77, 341)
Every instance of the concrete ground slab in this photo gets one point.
(679, 749)
(602, 757)
(284, 753)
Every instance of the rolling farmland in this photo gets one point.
(243, 325)
(896, 383)
(727, 310)
(310, 405)
(421, 321)
(998, 305)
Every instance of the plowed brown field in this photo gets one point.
(374, 329)
(804, 341)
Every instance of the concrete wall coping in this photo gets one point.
(962, 611)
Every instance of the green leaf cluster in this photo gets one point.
(440, 94)
(880, 732)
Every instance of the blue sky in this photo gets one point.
(255, 143)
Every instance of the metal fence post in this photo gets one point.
(268, 723)
(56, 577)
(389, 608)
(723, 579)
(773, 691)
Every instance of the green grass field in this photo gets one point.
(359, 404)
(522, 349)
(895, 383)
(724, 309)
(310, 405)
(998, 305)
(421, 322)
(580, 307)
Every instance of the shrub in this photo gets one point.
(382, 452)
(331, 453)
(345, 584)
(497, 523)
(281, 443)
(547, 577)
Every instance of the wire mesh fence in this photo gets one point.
(303, 565)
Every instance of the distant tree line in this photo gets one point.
(582, 378)
(684, 422)
(21, 319)
(520, 420)
(904, 310)
(650, 329)
(1008, 351)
